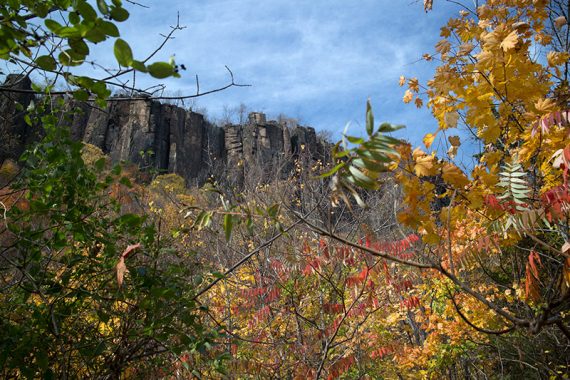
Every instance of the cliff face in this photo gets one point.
(171, 139)
(15, 134)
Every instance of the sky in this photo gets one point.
(317, 61)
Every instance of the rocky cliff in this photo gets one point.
(168, 138)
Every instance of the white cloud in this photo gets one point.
(317, 60)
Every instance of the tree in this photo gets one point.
(53, 38)
(92, 284)
(501, 238)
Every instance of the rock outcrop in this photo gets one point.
(167, 138)
(15, 134)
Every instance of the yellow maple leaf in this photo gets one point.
(418, 153)
(402, 80)
(424, 166)
(545, 105)
(490, 41)
(555, 58)
(428, 139)
(408, 96)
(465, 49)
(475, 199)
(443, 47)
(450, 119)
(454, 176)
(510, 41)
(414, 84)
(485, 58)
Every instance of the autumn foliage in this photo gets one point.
(393, 261)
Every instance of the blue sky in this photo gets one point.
(317, 61)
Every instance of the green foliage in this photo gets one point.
(360, 166)
(515, 186)
(72, 27)
(62, 313)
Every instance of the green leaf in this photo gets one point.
(228, 226)
(369, 119)
(123, 53)
(126, 181)
(46, 62)
(362, 179)
(332, 171)
(69, 32)
(81, 95)
(96, 35)
(160, 70)
(74, 18)
(119, 14)
(272, 211)
(387, 127)
(79, 46)
(139, 66)
(371, 165)
(86, 11)
(54, 26)
(103, 8)
(65, 58)
(109, 29)
(355, 140)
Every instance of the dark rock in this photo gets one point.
(167, 138)
(15, 134)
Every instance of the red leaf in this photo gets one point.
(121, 267)
(129, 249)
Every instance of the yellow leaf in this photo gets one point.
(452, 152)
(559, 22)
(475, 199)
(402, 80)
(428, 139)
(408, 96)
(521, 26)
(488, 179)
(443, 46)
(454, 176)
(491, 158)
(555, 58)
(451, 119)
(545, 105)
(394, 317)
(490, 41)
(510, 41)
(485, 58)
(465, 49)
(414, 84)
(418, 153)
(424, 166)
